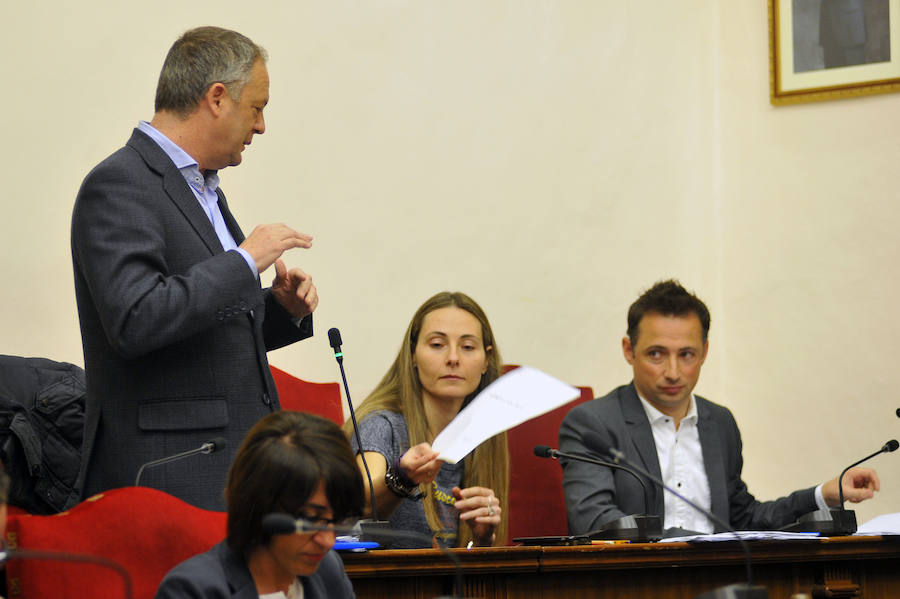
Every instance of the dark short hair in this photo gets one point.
(200, 58)
(280, 463)
(668, 298)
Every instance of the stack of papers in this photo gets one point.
(884, 525)
(746, 535)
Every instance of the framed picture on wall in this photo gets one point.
(832, 49)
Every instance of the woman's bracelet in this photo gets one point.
(399, 483)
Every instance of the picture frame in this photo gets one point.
(832, 49)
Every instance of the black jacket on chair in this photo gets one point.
(41, 432)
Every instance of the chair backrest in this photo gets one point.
(537, 506)
(146, 531)
(298, 395)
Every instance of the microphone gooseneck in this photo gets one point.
(888, 447)
(334, 339)
(596, 443)
(637, 528)
(211, 446)
(542, 451)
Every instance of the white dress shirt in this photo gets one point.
(681, 464)
(682, 467)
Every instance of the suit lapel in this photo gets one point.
(230, 222)
(713, 461)
(642, 440)
(177, 189)
(237, 573)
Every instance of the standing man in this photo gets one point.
(692, 444)
(174, 324)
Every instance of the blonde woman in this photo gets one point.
(448, 355)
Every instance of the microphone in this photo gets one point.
(211, 446)
(836, 521)
(285, 524)
(733, 591)
(898, 412)
(888, 447)
(368, 526)
(334, 339)
(641, 528)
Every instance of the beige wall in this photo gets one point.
(552, 159)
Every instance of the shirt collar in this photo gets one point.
(654, 415)
(183, 161)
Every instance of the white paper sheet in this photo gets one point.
(747, 535)
(888, 524)
(519, 395)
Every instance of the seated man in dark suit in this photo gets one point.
(692, 444)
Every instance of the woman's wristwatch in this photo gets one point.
(401, 485)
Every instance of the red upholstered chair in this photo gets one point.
(298, 395)
(146, 531)
(537, 506)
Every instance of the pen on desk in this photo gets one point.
(470, 544)
(610, 542)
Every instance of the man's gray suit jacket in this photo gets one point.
(596, 495)
(174, 329)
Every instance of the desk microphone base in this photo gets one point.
(378, 531)
(834, 522)
(637, 529)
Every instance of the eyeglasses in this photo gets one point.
(315, 522)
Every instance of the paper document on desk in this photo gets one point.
(519, 395)
(746, 535)
(886, 524)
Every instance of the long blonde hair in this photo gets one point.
(401, 391)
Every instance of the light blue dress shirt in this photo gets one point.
(204, 188)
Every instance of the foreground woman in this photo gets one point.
(291, 463)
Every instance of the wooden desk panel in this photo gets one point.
(836, 567)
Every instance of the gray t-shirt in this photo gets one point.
(385, 432)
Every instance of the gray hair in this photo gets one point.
(200, 58)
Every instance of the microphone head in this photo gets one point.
(898, 412)
(334, 338)
(542, 451)
(278, 524)
(217, 444)
(890, 446)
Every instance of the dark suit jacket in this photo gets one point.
(174, 329)
(221, 574)
(596, 495)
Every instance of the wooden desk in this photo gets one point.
(866, 567)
